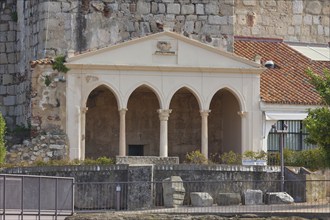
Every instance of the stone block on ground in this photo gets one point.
(173, 191)
(201, 199)
(278, 198)
(228, 199)
(253, 197)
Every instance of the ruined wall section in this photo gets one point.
(292, 20)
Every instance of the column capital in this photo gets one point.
(164, 114)
(205, 113)
(242, 113)
(122, 110)
(83, 110)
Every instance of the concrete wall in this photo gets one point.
(294, 20)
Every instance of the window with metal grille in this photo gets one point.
(293, 140)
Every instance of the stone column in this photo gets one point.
(83, 112)
(163, 117)
(204, 134)
(245, 130)
(122, 133)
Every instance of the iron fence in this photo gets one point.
(27, 195)
(309, 196)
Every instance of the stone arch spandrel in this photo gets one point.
(153, 88)
(197, 95)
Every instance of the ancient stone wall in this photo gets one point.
(293, 20)
(48, 116)
(18, 45)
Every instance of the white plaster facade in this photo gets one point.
(164, 62)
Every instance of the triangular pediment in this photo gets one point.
(162, 49)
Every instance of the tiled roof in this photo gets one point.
(43, 61)
(287, 83)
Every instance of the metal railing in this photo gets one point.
(309, 196)
(27, 195)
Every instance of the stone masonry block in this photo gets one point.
(161, 8)
(2, 47)
(3, 58)
(278, 198)
(173, 8)
(201, 199)
(297, 19)
(211, 9)
(249, 2)
(9, 100)
(297, 7)
(199, 9)
(308, 19)
(228, 199)
(173, 191)
(3, 90)
(143, 7)
(4, 27)
(216, 19)
(187, 9)
(7, 79)
(314, 7)
(253, 197)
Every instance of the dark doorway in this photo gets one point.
(135, 150)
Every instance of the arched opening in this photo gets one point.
(102, 124)
(142, 123)
(224, 124)
(184, 125)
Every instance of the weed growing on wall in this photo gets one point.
(58, 64)
(2, 139)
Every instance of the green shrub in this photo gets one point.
(195, 157)
(260, 155)
(2, 139)
(312, 159)
(99, 161)
(231, 158)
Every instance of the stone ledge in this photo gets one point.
(147, 160)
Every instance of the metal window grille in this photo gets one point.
(294, 139)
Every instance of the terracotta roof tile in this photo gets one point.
(287, 84)
(43, 61)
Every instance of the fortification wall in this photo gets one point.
(294, 20)
(18, 45)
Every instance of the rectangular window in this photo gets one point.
(293, 140)
(135, 150)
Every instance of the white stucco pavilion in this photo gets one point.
(164, 63)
